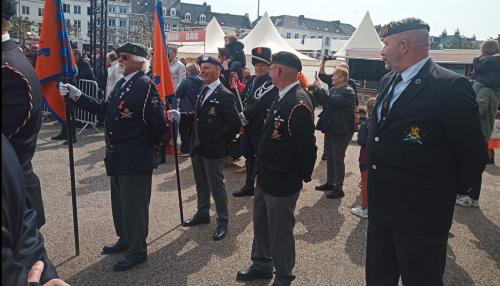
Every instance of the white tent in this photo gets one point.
(365, 38)
(214, 39)
(264, 34)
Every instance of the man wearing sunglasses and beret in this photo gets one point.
(135, 125)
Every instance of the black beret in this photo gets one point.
(133, 49)
(8, 9)
(403, 25)
(208, 59)
(261, 55)
(287, 59)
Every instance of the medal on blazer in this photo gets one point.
(275, 134)
(414, 135)
(124, 112)
(211, 111)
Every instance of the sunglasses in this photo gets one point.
(124, 57)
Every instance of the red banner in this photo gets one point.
(186, 36)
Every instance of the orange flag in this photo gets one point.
(55, 57)
(161, 70)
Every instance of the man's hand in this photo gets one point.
(56, 282)
(225, 64)
(36, 272)
(66, 88)
(173, 114)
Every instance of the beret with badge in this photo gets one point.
(133, 49)
(403, 25)
(261, 55)
(8, 9)
(208, 59)
(287, 59)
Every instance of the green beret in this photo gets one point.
(133, 49)
(287, 59)
(403, 25)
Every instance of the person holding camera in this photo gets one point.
(326, 78)
(337, 122)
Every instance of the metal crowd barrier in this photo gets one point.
(90, 88)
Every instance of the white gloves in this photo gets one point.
(174, 114)
(66, 88)
(243, 119)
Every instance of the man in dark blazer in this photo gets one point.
(21, 109)
(285, 158)
(424, 146)
(215, 119)
(135, 125)
(258, 94)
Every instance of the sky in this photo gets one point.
(471, 17)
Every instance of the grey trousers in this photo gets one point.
(209, 178)
(273, 240)
(130, 196)
(335, 167)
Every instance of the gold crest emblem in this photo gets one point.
(414, 135)
(211, 111)
(126, 113)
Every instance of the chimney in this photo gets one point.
(204, 3)
(301, 19)
(246, 15)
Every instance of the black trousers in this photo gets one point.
(130, 196)
(419, 259)
(185, 130)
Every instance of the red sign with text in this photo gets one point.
(186, 36)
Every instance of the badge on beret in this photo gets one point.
(205, 58)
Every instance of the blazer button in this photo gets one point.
(110, 133)
(376, 139)
(116, 117)
(374, 167)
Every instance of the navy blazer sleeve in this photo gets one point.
(302, 133)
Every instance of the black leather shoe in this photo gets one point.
(324, 187)
(113, 249)
(251, 274)
(336, 194)
(220, 233)
(196, 220)
(244, 192)
(60, 136)
(129, 263)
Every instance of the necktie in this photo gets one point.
(118, 87)
(386, 104)
(202, 95)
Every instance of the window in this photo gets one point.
(112, 9)
(68, 23)
(66, 8)
(172, 11)
(296, 36)
(25, 10)
(77, 23)
(203, 18)
(40, 12)
(327, 41)
(123, 23)
(123, 10)
(313, 37)
(89, 11)
(111, 22)
(187, 16)
(77, 9)
(288, 35)
(174, 27)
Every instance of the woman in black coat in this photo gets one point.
(337, 122)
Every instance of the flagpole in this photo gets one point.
(69, 133)
(176, 160)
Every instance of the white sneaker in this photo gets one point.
(363, 213)
(466, 201)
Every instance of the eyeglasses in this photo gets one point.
(124, 57)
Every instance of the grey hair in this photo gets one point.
(192, 69)
(142, 60)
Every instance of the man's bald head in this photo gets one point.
(404, 49)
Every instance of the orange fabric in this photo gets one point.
(55, 57)
(161, 70)
(494, 144)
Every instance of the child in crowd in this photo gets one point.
(487, 67)
(237, 61)
(363, 160)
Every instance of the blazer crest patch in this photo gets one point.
(414, 135)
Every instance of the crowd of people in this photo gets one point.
(423, 113)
